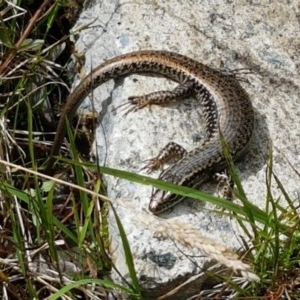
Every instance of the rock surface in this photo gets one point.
(259, 35)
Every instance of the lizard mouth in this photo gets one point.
(161, 201)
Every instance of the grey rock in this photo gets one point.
(231, 35)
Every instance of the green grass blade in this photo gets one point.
(104, 283)
(128, 254)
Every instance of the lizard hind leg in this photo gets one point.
(170, 153)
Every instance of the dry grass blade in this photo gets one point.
(25, 34)
(189, 236)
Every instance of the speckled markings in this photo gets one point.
(226, 108)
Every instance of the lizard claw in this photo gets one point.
(133, 104)
(153, 165)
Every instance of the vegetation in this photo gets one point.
(57, 247)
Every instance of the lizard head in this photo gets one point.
(161, 201)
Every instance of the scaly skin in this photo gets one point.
(226, 108)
